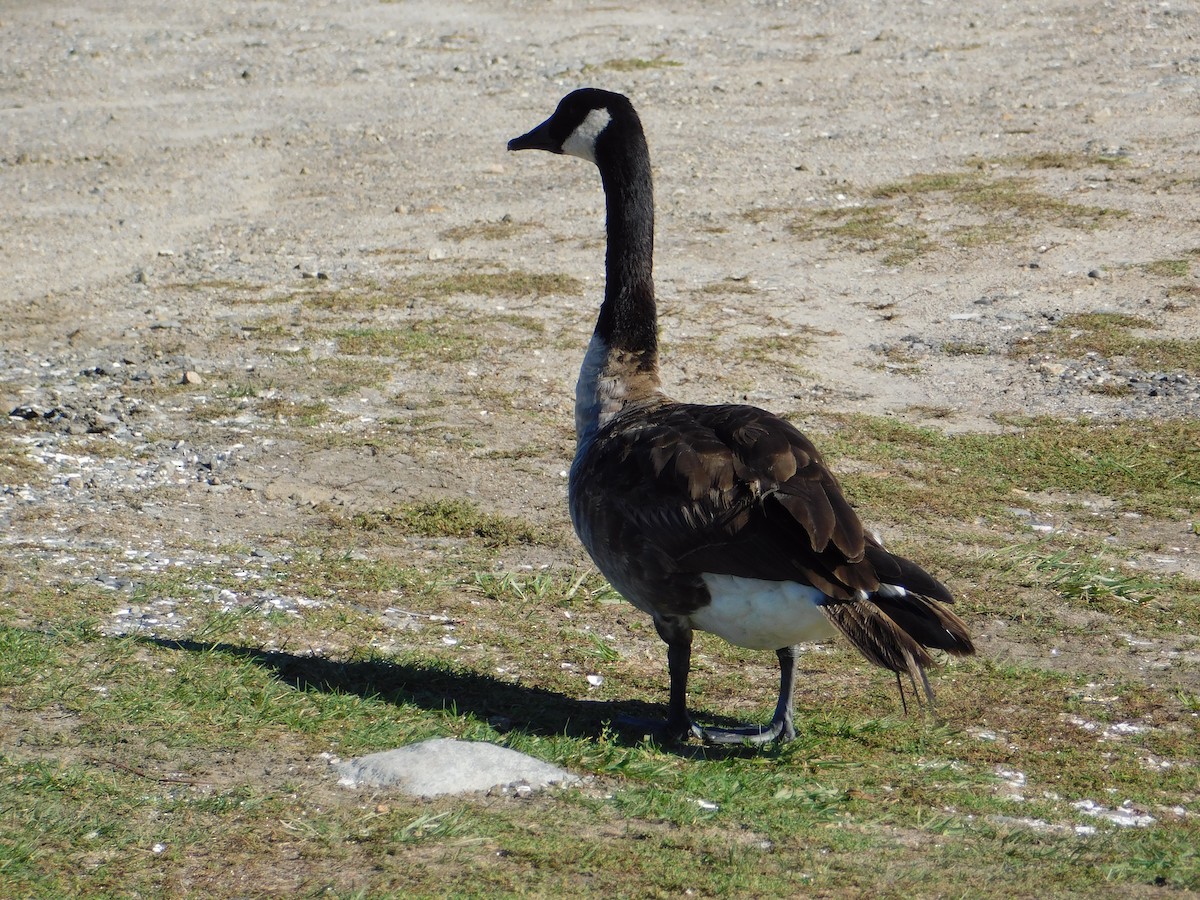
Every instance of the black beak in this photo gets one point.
(538, 139)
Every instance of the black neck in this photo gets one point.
(628, 318)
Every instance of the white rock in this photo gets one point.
(450, 766)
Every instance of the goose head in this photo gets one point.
(585, 124)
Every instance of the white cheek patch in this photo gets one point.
(582, 141)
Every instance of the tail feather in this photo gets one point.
(876, 635)
(927, 622)
(895, 626)
(892, 569)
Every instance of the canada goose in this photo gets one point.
(715, 518)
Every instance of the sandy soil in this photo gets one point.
(180, 181)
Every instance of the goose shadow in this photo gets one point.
(505, 705)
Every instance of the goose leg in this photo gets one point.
(679, 664)
(678, 725)
(780, 728)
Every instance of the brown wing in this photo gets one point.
(728, 490)
(687, 489)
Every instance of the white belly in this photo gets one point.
(762, 615)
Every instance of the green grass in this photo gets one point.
(965, 348)
(970, 484)
(777, 352)
(984, 235)
(1112, 335)
(301, 413)
(866, 229)
(431, 288)
(1006, 204)
(858, 800)
(502, 230)
(241, 390)
(453, 519)
(1059, 159)
(189, 762)
(1146, 466)
(1169, 268)
(998, 196)
(759, 214)
(339, 376)
(1087, 580)
(729, 286)
(546, 587)
(420, 342)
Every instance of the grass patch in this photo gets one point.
(432, 288)
(866, 229)
(516, 320)
(149, 764)
(860, 224)
(239, 390)
(729, 286)
(452, 519)
(760, 214)
(488, 231)
(925, 411)
(1001, 196)
(1061, 159)
(304, 413)
(1089, 579)
(778, 352)
(1110, 389)
(899, 358)
(419, 342)
(965, 348)
(1185, 291)
(1111, 335)
(525, 451)
(15, 464)
(547, 588)
(427, 342)
(634, 64)
(184, 768)
(300, 413)
(984, 235)
(340, 376)
(1168, 268)
(509, 284)
(1007, 204)
(912, 474)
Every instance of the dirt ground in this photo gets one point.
(203, 204)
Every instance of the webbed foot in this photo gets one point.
(668, 732)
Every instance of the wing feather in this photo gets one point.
(728, 489)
